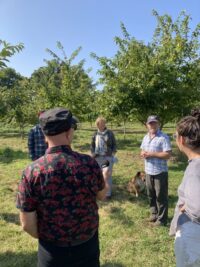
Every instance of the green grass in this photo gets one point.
(126, 238)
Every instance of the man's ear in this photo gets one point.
(67, 133)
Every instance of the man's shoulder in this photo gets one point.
(162, 134)
(83, 157)
(110, 132)
(146, 136)
(35, 128)
(31, 170)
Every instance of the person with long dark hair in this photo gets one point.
(186, 221)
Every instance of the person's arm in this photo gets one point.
(192, 196)
(92, 147)
(164, 154)
(182, 208)
(29, 223)
(31, 144)
(114, 146)
(161, 155)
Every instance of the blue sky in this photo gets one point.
(91, 24)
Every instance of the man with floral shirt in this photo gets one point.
(57, 197)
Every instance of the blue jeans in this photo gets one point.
(84, 255)
(187, 245)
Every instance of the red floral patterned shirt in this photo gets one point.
(61, 187)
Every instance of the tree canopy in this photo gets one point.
(8, 50)
(160, 77)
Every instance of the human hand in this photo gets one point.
(146, 154)
(182, 207)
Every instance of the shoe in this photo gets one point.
(152, 218)
(158, 223)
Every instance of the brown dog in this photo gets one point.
(137, 184)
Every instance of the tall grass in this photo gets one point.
(126, 238)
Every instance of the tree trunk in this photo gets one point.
(124, 126)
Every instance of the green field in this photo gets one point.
(126, 238)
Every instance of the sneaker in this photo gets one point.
(152, 218)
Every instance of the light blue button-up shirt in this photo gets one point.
(159, 143)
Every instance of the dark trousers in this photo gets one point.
(157, 191)
(84, 255)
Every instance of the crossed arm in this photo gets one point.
(160, 155)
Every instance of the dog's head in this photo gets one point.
(133, 183)
(139, 175)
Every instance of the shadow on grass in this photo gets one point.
(112, 264)
(11, 259)
(117, 213)
(7, 155)
(10, 218)
(120, 194)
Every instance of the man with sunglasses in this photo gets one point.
(57, 197)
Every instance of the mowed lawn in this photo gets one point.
(126, 238)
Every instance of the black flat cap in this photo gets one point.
(57, 120)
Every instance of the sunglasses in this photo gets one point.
(175, 136)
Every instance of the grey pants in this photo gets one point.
(157, 191)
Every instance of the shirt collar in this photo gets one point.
(158, 132)
(57, 149)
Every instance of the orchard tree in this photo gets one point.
(118, 96)
(9, 78)
(15, 98)
(66, 84)
(159, 78)
(6, 51)
(46, 86)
